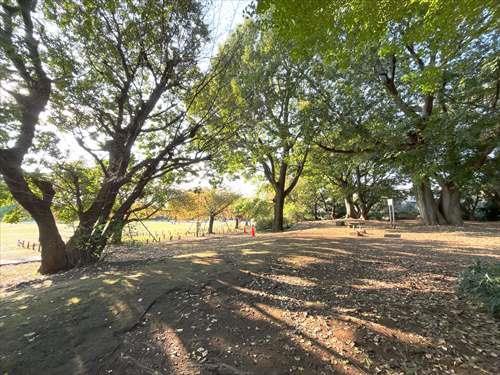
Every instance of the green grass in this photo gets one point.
(164, 229)
(28, 232)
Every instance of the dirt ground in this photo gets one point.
(319, 299)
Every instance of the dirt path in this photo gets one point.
(315, 301)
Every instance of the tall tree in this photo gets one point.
(127, 109)
(439, 68)
(125, 72)
(25, 92)
(201, 203)
(263, 91)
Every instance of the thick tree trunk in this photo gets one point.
(449, 204)
(279, 204)
(363, 209)
(53, 247)
(211, 220)
(86, 244)
(350, 209)
(237, 223)
(427, 206)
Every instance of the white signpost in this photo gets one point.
(392, 218)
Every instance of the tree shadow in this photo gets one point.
(267, 305)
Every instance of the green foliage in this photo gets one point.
(14, 215)
(259, 210)
(481, 281)
(76, 185)
(259, 101)
(413, 52)
(200, 203)
(5, 196)
(10, 210)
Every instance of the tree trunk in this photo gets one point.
(363, 209)
(116, 237)
(316, 216)
(363, 214)
(211, 220)
(449, 204)
(350, 209)
(427, 206)
(279, 204)
(53, 248)
(86, 244)
(237, 223)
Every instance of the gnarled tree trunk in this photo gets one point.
(427, 206)
(20, 46)
(449, 204)
(53, 257)
(350, 209)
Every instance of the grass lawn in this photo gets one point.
(10, 234)
(26, 231)
(316, 300)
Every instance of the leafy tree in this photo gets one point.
(362, 181)
(214, 202)
(185, 205)
(127, 111)
(201, 203)
(245, 209)
(439, 68)
(262, 92)
(29, 87)
(314, 198)
(124, 75)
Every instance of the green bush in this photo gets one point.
(265, 223)
(481, 281)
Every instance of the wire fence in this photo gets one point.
(164, 236)
(141, 233)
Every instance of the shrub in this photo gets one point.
(481, 281)
(264, 223)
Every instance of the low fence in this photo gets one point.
(163, 236)
(146, 237)
(35, 246)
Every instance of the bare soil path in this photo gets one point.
(316, 300)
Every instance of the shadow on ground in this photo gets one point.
(291, 303)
